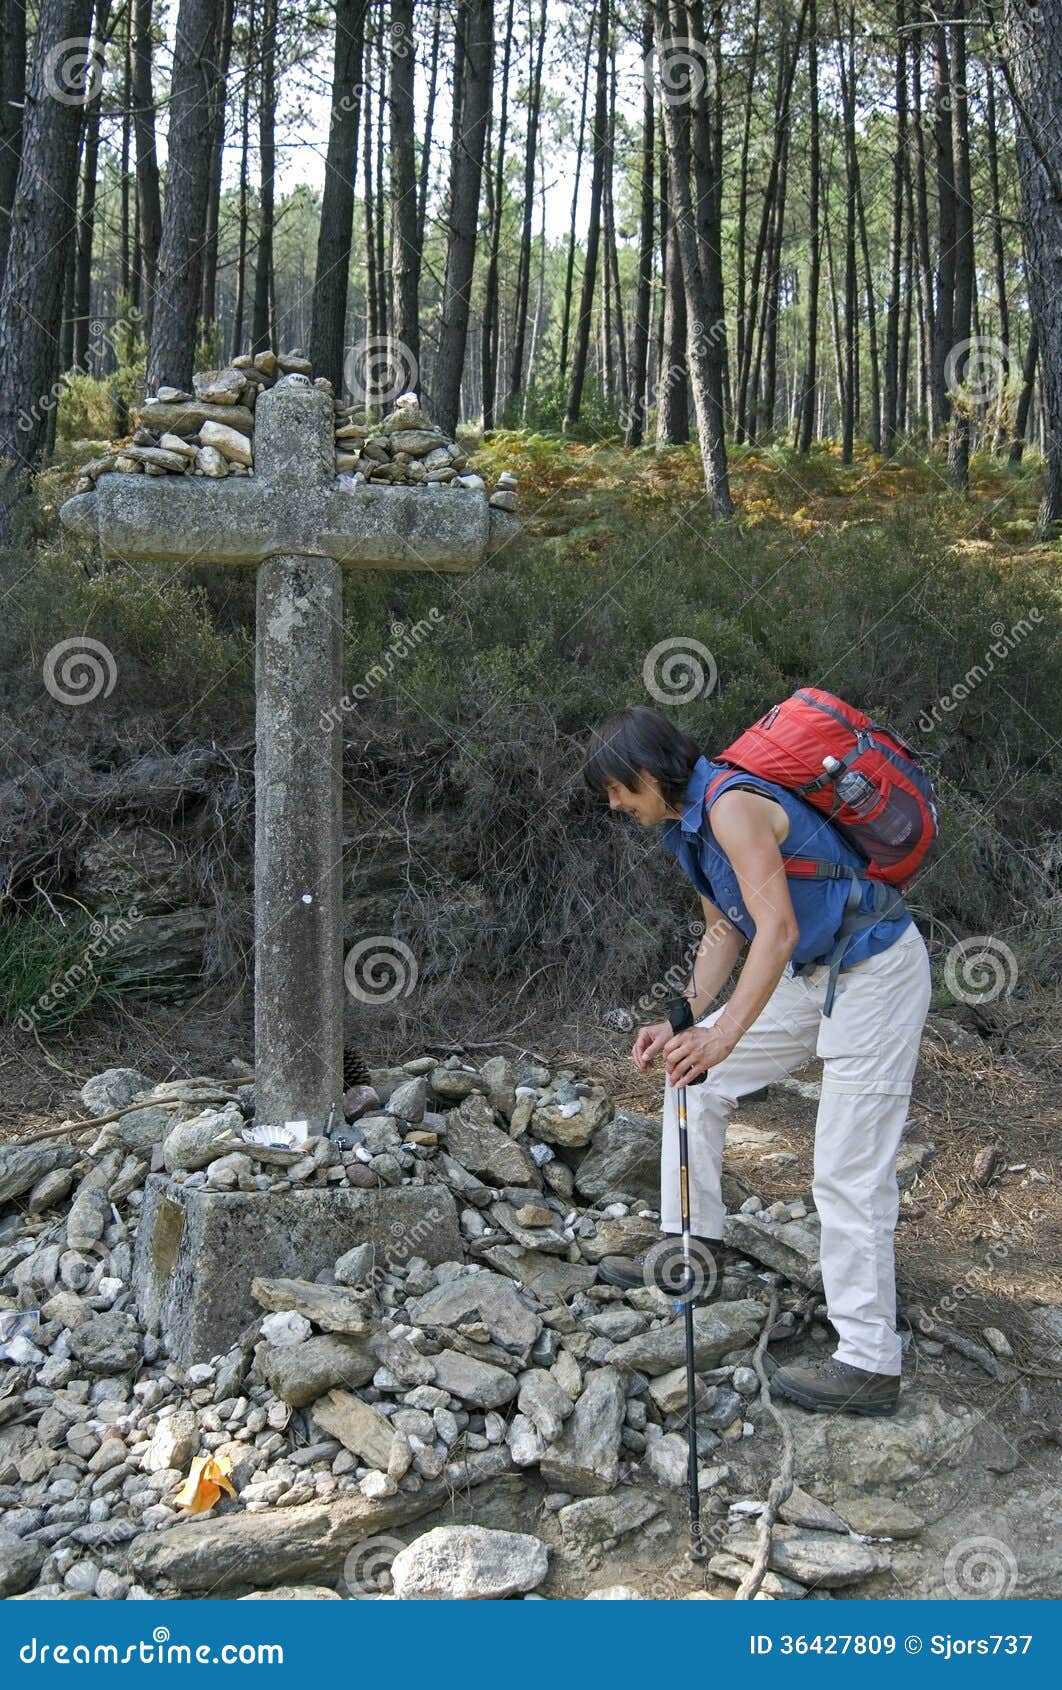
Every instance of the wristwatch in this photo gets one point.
(680, 1016)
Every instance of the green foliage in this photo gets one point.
(51, 970)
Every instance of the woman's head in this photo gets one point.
(641, 763)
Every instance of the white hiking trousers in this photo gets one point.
(869, 1045)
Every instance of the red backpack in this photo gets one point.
(866, 779)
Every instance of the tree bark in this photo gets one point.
(12, 99)
(1031, 34)
(806, 414)
(332, 274)
(86, 221)
(599, 134)
(42, 233)
(569, 273)
(243, 195)
(475, 44)
(515, 398)
(217, 131)
(959, 436)
(171, 356)
(637, 380)
(943, 332)
(495, 175)
(896, 238)
(261, 317)
(149, 201)
(405, 238)
(671, 23)
(425, 157)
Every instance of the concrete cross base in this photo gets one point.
(197, 1251)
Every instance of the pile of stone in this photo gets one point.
(210, 432)
(358, 1402)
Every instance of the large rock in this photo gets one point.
(573, 1132)
(232, 443)
(585, 1459)
(717, 1329)
(812, 1558)
(300, 1373)
(219, 387)
(547, 1276)
(844, 1452)
(198, 1251)
(187, 417)
(545, 1403)
(476, 1382)
(280, 1546)
(469, 1564)
(359, 1427)
(140, 1130)
(107, 1344)
(485, 1297)
(624, 1157)
(482, 1148)
(329, 1306)
(790, 1247)
(113, 1089)
(196, 1143)
(21, 1560)
(173, 1442)
(626, 1235)
(22, 1165)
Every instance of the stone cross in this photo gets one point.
(299, 525)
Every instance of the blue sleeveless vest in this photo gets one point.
(820, 906)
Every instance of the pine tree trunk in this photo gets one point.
(1031, 36)
(806, 413)
(618, 367)
(599, 138)
(425, 157)
(217, 129)
(920, 209)
(566, 311)
(998, 253)
(1021, 419)
(671, 23)
(637, 380)
(261, 317)
(495, 175)
(171, 355)
(959, 436)
(331, 277)
(12, 99)
(536, 49)
(42, 234)
(943, 331)
(243, 195)
(125, 265)
(149, 201)
(896, 238)
(86, 222)
(476, 44)
(672, 386)
(405, 236)
(742, 329)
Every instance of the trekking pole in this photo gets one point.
(697, 1549)
(680, 1016)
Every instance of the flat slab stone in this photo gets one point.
(845, 1453)
(717, 1329)
(280, 1546)
(790, 1247)
(469, 1564)
(180, 519)
(484, 1296)
(331, 1307)
(812, 1558)
(585, 1458)
(197, 1252)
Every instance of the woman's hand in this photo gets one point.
(648, 1045)
(695, 1051)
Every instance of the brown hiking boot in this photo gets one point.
(835, 1387)
(663, 1268)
